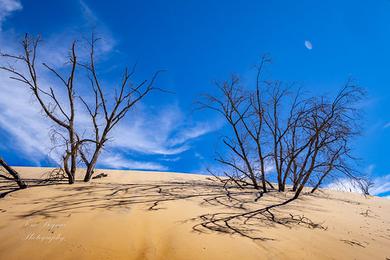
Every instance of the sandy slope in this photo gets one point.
(150, 215)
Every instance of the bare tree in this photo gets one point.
(14, 174)
(62, 115)
(302, 137)
(234, 107)
(113, 111)
(331, 125)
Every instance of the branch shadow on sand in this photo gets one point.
(230, 210)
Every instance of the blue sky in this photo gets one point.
(198, 42)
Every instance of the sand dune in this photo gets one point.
(155, 215)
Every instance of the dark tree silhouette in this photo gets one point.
(302, 138)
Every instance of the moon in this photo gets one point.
(308, 45)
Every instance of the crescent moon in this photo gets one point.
(308, 45)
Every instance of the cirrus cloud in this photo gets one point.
(7, 7)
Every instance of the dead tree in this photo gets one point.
(331, 127)
(126, 97)
(15, 175)
(234, 105)
(302, 137)
(62, 115)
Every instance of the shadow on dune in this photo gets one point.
(7, 186)
(53, 176)
(239, 211)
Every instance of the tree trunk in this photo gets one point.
(71, 179)
(300, 188)
(315, 187)
(92, 164)
(66, 169)
(320, 181)
(73, 155)
(91, 167)
(310, 170)
(14, 174)
(302, 185)
(278, 171)
(263, 176)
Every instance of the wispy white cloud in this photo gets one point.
(197, 130)
(20, 117)
(199, 156)
(117, 161)
(164, 132)
(107, 42)
(380, 185)
(171, 159)
(369, 170)
(7, 7)
(88, 14)
(387, 125)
